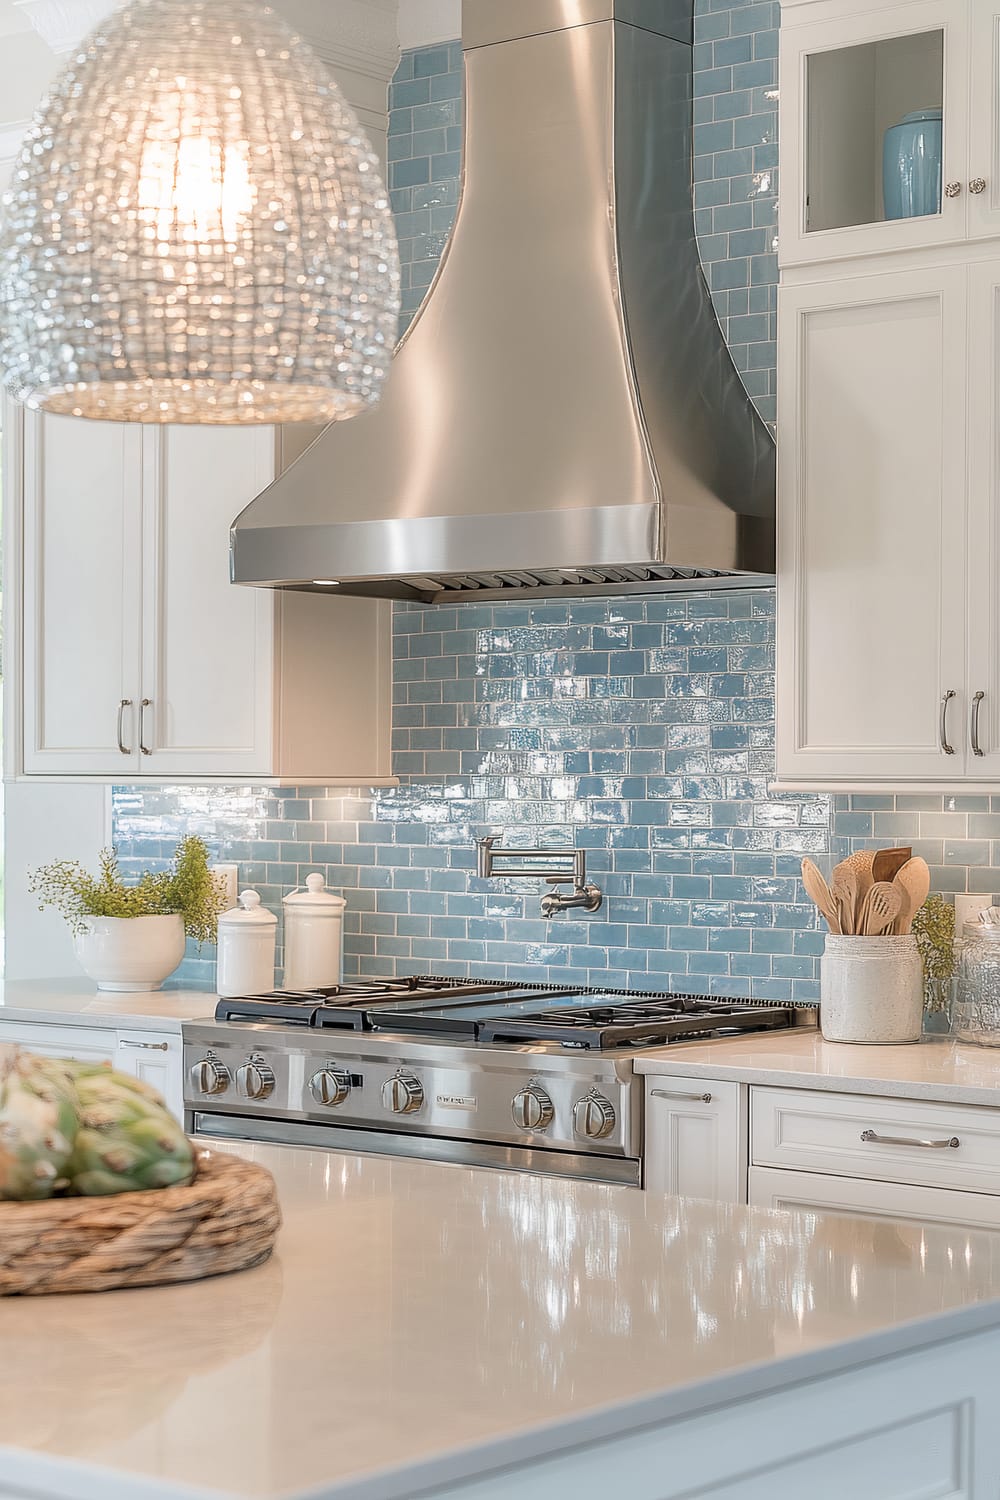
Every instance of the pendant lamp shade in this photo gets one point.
(196, 230)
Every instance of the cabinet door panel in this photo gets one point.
(207, 658)
(984, 521)
(883, 1202)
(844, 82)
(82, 583)
(154, 1059)
(872, 528)
(696, 1138)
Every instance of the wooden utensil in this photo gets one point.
(882, 906)
(819, 893)
(844, 887)
(861, 864)
(914, 880)
(889, 862)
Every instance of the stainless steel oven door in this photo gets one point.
(590, 1168)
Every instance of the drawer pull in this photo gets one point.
(692, 1098)
(147, 1046)
(869, 1137)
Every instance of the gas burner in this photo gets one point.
(647, 1022)
(339, 1004)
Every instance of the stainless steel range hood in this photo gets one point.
(563, 415)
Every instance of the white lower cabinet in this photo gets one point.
(696, 1138)
(155, 1060)
(856, 1198)
(823, 1151)
(154, 1057)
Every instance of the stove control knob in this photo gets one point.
(532, 1108)
(330, 1086)
(209, 1076)
(402, 1093)
(594, 1117)
(255, 1079)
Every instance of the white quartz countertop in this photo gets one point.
(951, 1072)
(422, 1323)
(79, 1002)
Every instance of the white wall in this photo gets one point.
(423, 22)
(42, 824)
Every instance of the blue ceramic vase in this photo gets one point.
(911, 165)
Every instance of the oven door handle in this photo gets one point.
(586, 1166)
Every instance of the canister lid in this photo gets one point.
(987, 932)
(316, 898)
(248, 913)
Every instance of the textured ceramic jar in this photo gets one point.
(871, 990)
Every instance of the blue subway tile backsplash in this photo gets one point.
(639, 728)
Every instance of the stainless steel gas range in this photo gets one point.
(531, 1078)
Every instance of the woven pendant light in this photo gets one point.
(196, 230)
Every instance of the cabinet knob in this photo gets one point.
(977, 185)
(952, 189)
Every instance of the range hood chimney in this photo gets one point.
(563, 414)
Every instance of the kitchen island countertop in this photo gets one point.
(420, 1325)
(78, 1002)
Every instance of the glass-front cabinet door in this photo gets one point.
(880, 100)
(983, 183)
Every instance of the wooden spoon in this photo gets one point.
(819, 893)
(889, 862)
(914, 879)
(882, 906)
(844, 887)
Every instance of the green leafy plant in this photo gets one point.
(189, 889)
(934, 930)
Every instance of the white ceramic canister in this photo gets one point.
(871, 990)
(247, 940)
(314, 936)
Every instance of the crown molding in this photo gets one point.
(63, 24)
(359, 35)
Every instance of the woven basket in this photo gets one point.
(225, 1220)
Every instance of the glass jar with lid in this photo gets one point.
(977, 992)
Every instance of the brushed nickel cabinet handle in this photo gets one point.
(870, 1138)
(977, 185)
(952, 189)
(948, 748)
(146, 703)
(147, 1046)
(977, 749)
(692, 1098)
(123, 749)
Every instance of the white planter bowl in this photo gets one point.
(130, 953)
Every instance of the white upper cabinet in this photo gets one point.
(129, 652)
(875, 152)
(889, 405)
(78, 599)
(872, 535)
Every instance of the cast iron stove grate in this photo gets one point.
(638, 1023)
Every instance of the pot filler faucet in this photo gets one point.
(586, 896)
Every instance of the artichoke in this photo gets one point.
(38, 1124)
(127, 1141)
